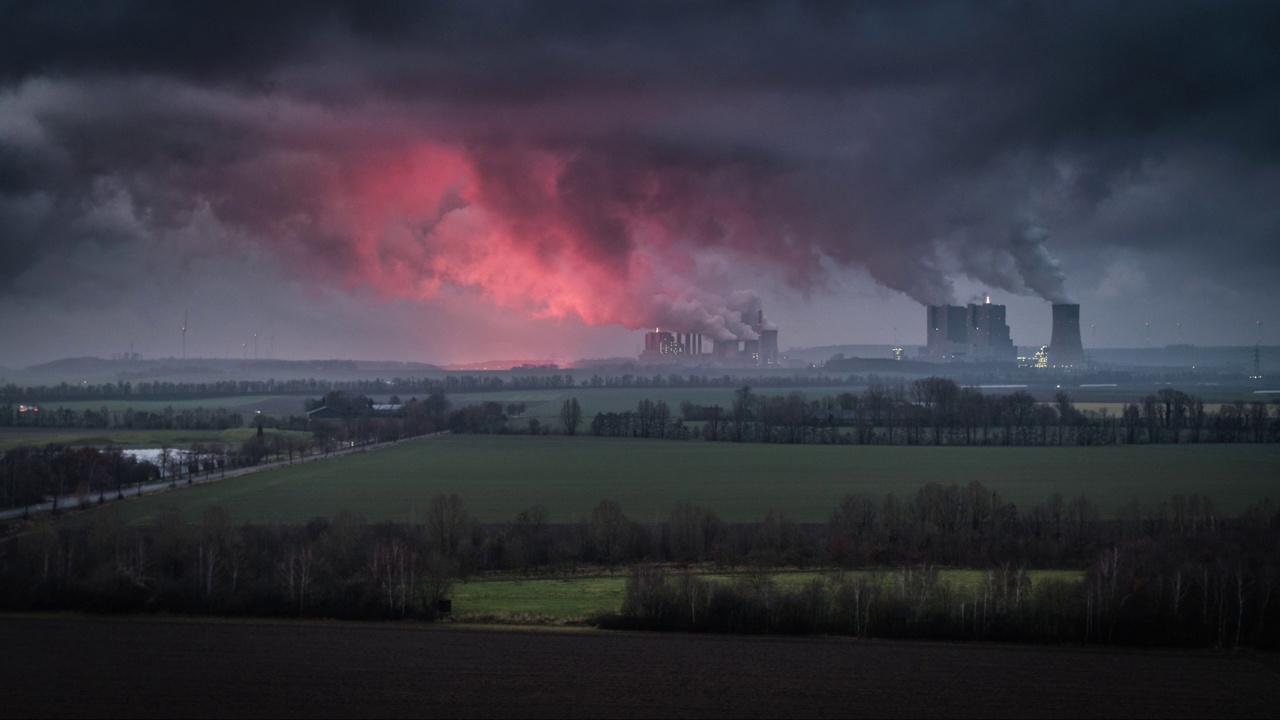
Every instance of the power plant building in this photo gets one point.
(977, 332)
(989, 333)
(947, 334)
(769, 347)
(667, 347)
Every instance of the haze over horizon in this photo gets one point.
(451, 183)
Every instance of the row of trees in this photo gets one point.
(459, 382)
(454, 382)
(1214, 593)
(937, 411)
(548, 378)
(30, 475)
(956, 526)
(129, 419)
(1180, 574)
(35, 474)
(341, 568)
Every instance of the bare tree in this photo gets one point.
(448, 524)
(661, 417)
(645, 416)
(296, 573)
(742, 402)
(212, 546)
(610, 527)
(392, 570)
(571, 415)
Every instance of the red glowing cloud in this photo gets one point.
(555, 233)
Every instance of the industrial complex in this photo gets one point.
(975, 333)
(668, 347)
(979, 332)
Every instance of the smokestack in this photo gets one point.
(760, 320)
(1065, 348)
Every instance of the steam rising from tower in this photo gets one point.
(759, 347)
(1065, 348)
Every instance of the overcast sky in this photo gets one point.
(450, 183)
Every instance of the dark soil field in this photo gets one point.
(94, 667)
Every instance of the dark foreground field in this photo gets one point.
(77, 667)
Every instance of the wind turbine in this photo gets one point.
(184, 334)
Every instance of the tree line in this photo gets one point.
(938, 411)
(129, 419)
(472, 382)
(30, 475)
(339, 568)
(1175, 574)
(36, 474)
(460, 382)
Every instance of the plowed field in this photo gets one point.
(78, 667)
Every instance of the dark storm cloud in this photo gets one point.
(922, 141)
(205, 41)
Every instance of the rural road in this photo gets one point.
(66, 502)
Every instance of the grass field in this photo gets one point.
(232, 403)
(563, 599)
(130, 439)
(498, 476)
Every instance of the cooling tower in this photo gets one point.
(1065, 348)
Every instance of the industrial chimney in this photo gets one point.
(1065, 348)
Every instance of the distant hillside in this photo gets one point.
(95, 370)
(502, 365)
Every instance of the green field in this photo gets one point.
(498, 476)
(131, 439)
(269, 404)
(562, 599)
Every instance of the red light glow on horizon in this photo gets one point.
(551, 235)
